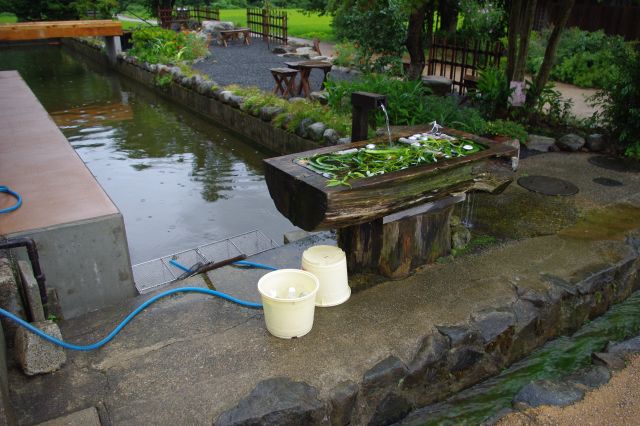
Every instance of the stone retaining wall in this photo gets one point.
(208, 103)
(449, 359)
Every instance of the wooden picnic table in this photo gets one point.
(227, 35)
(305, 67)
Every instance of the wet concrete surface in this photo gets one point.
(189, 358)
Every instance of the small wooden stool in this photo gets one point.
(305, 68)
(285, 81)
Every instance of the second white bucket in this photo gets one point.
(288, 300)
(329, 264)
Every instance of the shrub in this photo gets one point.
(404, 98)
(619, 101)
(156, 45)
(408, 103)
(506, 128)
(378, 31)
(484, 20)
(293, 113)
(493, 91)
(584, 58)
(346, 54)
(551, 109)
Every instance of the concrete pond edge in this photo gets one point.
(450, 358)
(205, 99)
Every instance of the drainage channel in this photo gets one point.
(555, 359)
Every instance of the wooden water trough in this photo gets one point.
(302, 195)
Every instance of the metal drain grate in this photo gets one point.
(154, 273)
(616, 164)
(548, 185)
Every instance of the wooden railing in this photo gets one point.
(166, 17)
(454, 59)
(269, 24)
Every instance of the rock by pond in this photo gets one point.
(596, 142)
(571, 142)
(540, 143)
(547, 392)
(278, 401)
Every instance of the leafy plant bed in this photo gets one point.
(304, 196)
(341, 167)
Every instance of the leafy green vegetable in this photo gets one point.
(340, 167)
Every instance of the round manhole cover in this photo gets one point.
(548, 185)
(607, 182)
(616, 164)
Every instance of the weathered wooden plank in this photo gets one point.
(59, 29)
(362, 245)
(414, 241)
(303, 196)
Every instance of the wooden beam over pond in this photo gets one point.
(58, 29)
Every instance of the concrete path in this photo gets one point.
(189, 358)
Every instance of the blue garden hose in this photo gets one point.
(128, 319)
(255, 265)
(7, 190)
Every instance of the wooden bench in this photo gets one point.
(228, 35)
(285, 81)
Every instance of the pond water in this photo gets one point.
(178, 180)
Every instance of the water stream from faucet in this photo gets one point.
(386, 116)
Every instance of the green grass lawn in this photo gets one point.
(130, 26)
(7, 18)
(300, 24)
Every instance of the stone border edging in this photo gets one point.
(448, 359)
(195, 95)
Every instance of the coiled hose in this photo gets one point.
(7, 190)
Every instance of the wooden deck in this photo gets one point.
(37, 161)
(59, 29)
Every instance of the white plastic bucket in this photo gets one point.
(329, 264)
(288, 299)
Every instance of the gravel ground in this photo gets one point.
(249, 66)
(615, 403)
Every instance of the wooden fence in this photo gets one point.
(269, 24)
(183, 15)
(614, 20)
(455, 60)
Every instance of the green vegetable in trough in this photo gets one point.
(340, 167)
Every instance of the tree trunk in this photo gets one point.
(448, 10)
(525, 35)
(550, 53)
(414, 42)
(512, 48)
